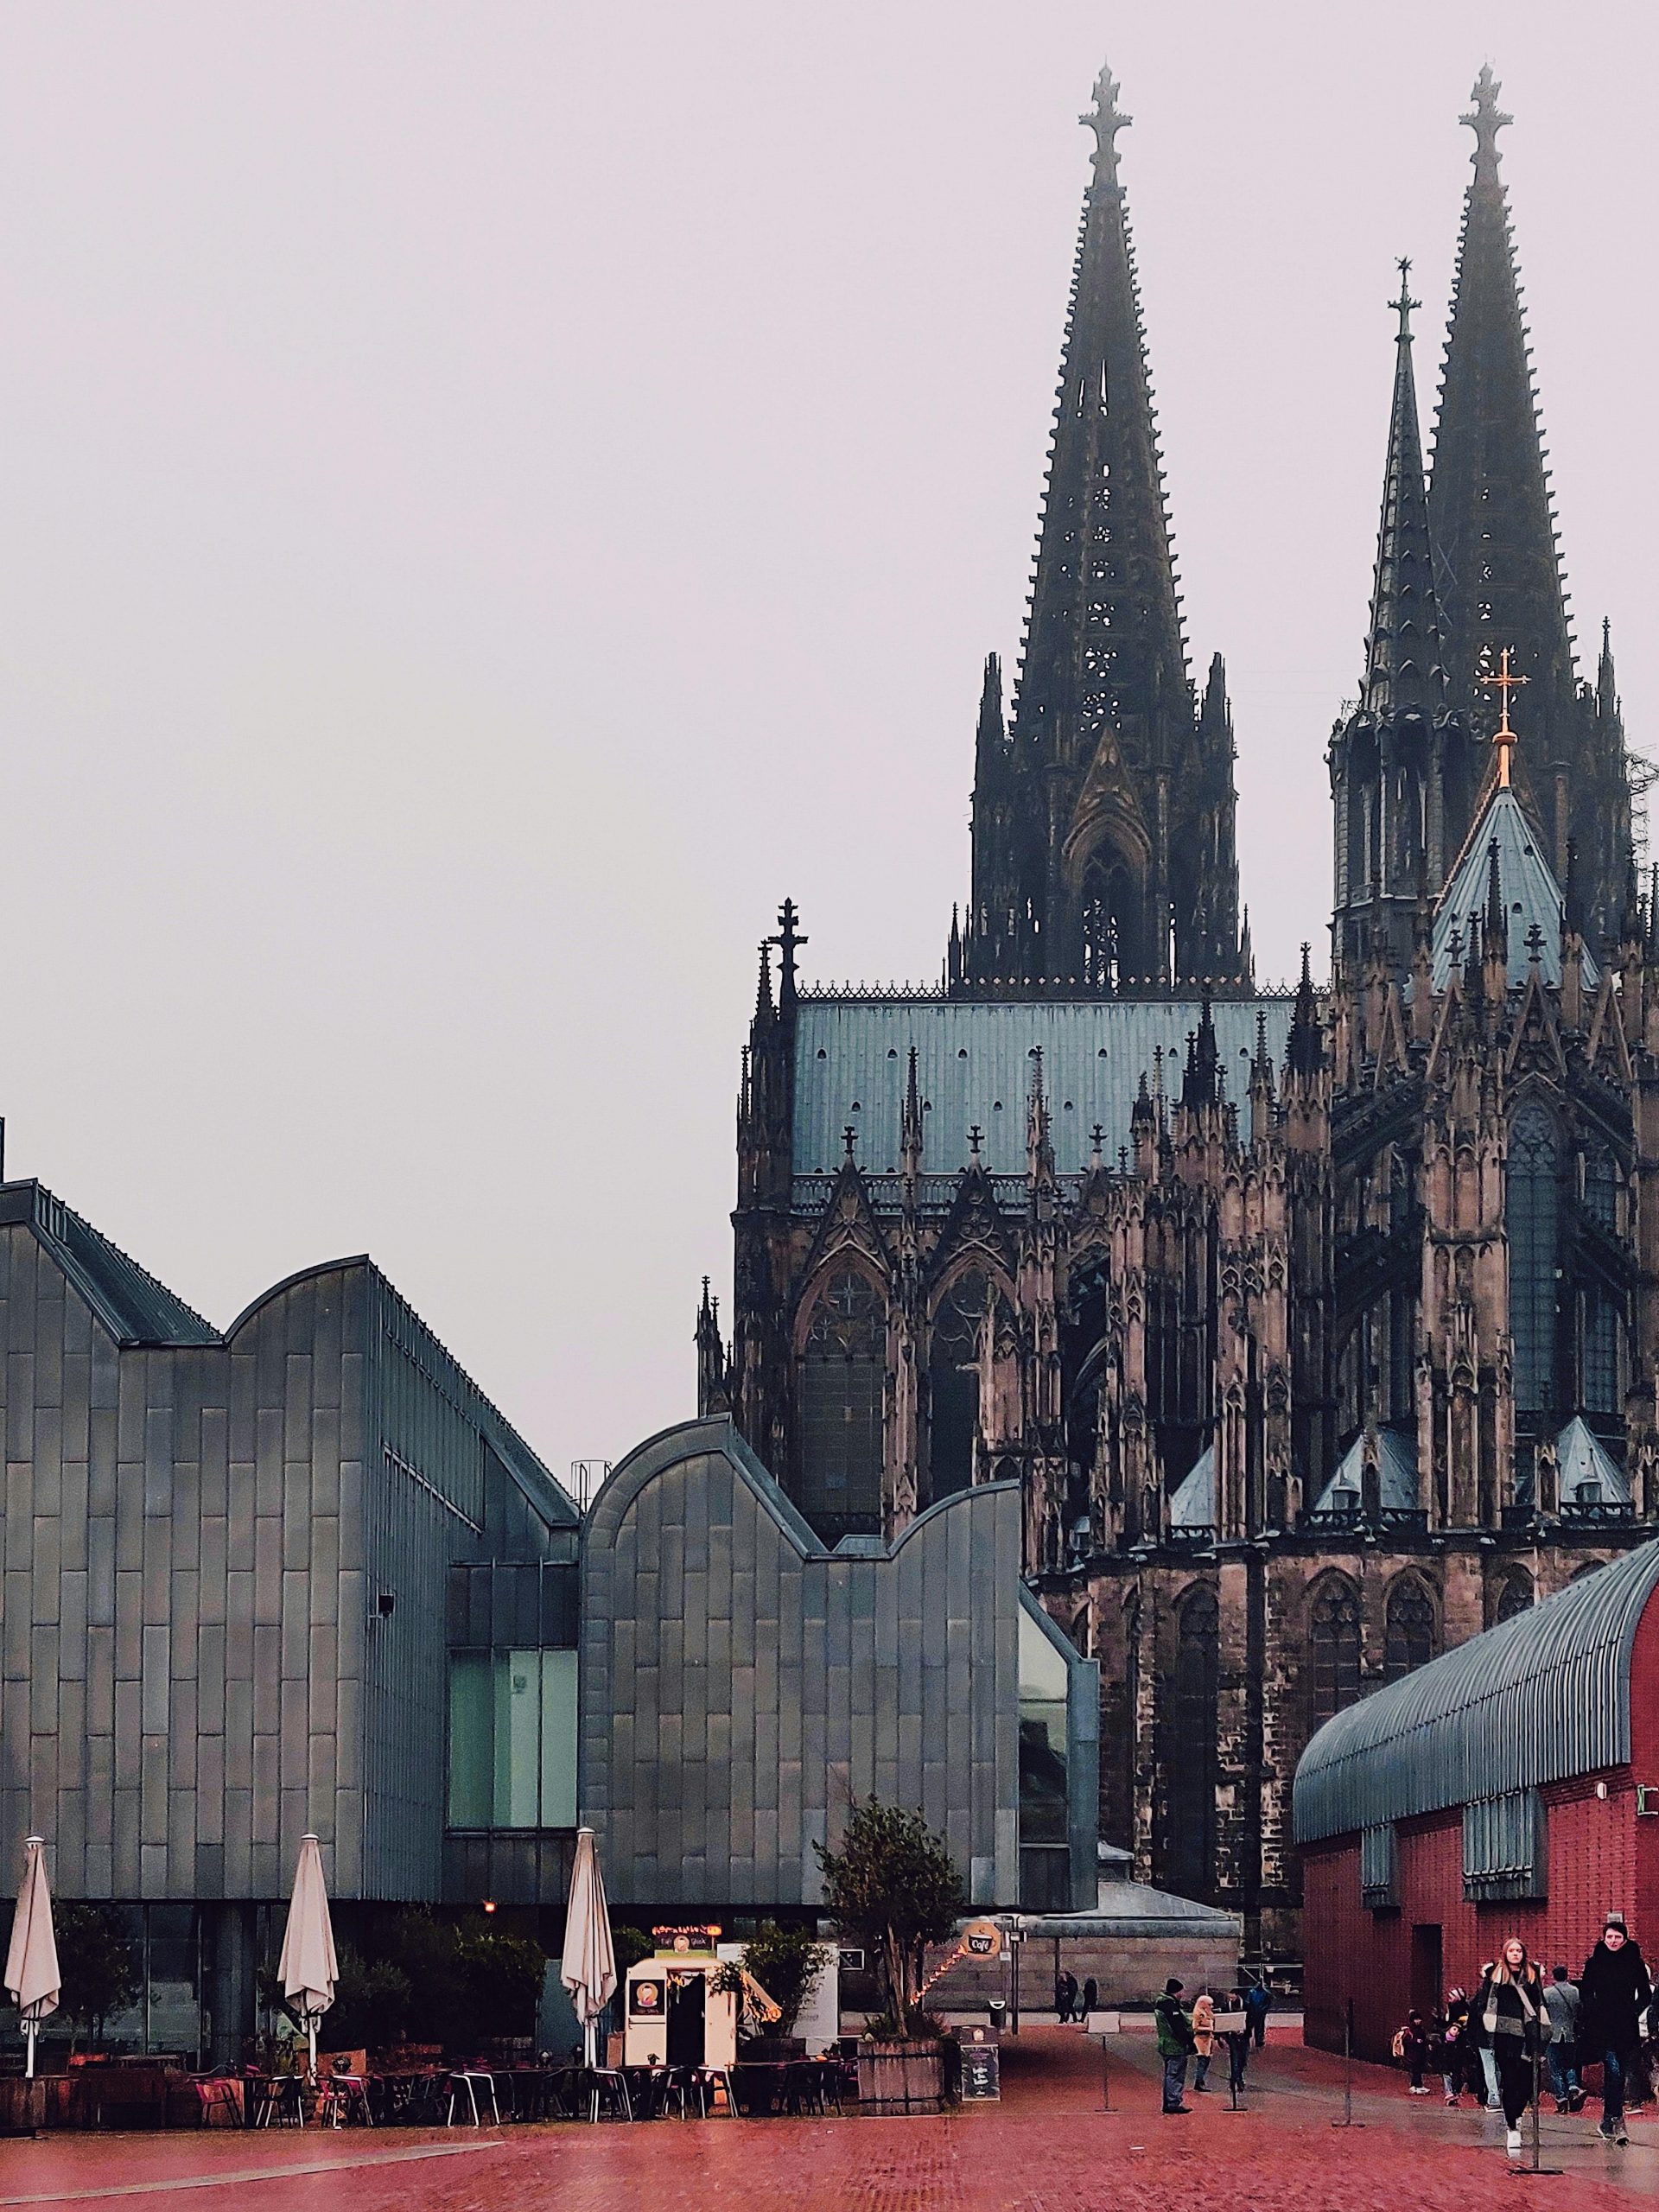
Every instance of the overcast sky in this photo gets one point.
(497, 494)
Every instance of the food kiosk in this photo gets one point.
(677, 2015)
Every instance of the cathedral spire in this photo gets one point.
(1105, 616)
(1494, 525)
(1104, 840)
(1403, 651)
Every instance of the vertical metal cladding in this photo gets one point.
(742, 1687)
(194, 1666)
(1539, 1699)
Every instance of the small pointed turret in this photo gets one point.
(1305, 1056)
(910, 1132)
(1402, 648)
(1201, 1084)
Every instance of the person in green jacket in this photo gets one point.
(1175, 2045)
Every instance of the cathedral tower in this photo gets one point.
(1498, 570)
(1103, 858)
(1404, 770)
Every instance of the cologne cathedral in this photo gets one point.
(1319, 1329)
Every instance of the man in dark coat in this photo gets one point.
(1614, 1992)
(1175, 2045)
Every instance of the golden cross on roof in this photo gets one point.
(1503, 737)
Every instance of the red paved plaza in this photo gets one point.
(1048, 2147)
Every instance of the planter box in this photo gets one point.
(901, 2077)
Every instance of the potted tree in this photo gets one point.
(891, 1884)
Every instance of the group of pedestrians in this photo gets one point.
(1072, 2003)
(1517, 2024)
(1186, 2037)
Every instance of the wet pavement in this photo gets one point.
(1049, 2146)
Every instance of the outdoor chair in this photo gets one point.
(278, 2100)
(341, 2099)
(707, 2081)
(465, 2080)
(216, 2100)
(608, 2085)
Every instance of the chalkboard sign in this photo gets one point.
(981, 2072)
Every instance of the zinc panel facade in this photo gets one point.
(721, 1739)
(193, 1667)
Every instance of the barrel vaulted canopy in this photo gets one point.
(1538, 1699)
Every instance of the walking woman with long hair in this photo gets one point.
(1508, 2018)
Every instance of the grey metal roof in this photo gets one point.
(974, 1064)
(1396, 1470)
(1193, 1505)
(1585, 1463)
(132, 1306)
(1538, 1699)
(1530, 890)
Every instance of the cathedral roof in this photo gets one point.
(1586, 1465)
(1538, 1699)
(1396, 1468)
(1193, 1505)
(1530, 893)
(974, 1067)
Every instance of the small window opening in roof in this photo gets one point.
(857, 1109)
(1069, 1109)
(1516, 907)
(822, 1055)
(893, 1051)
(962, 1052)
(1101, 1054)
(997, 1106)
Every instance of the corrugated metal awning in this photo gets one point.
(1541, 1698)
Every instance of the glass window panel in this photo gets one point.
(558, 1739)
(1531, 1217)
(517, 1738)
(1192, 1764)
(1600, 1352)
(470, 1753)
(1409, 1639)
(1333, 1651)
(842, 1369)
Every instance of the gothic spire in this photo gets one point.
(1494, 525)
(1105, 626)
(1402, 650)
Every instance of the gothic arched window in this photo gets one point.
(1514, 1596)
(1332, 1650)
(953, 1382)
(842, 1364)
(1190, 1858)
(1532, 1218)
(1408, 1636)
(1112, 951)
(1598, 1383)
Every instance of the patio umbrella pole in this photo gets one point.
(31, 2029)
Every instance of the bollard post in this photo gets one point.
(1529, 2173)
(1348, 2119)
(1105, 2078)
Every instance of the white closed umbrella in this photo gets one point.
(308, 1969)
(32, 1976)
(588, 1966)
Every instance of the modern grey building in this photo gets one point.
(743, 1687)
(249, 1576)
(299, 1574)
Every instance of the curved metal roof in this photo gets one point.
(1538, 1699)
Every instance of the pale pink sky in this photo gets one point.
(495, 495)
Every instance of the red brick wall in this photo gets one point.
(1602, 1858)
